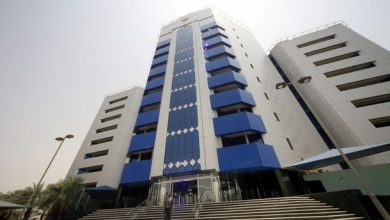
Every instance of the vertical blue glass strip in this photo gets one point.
(182, 143)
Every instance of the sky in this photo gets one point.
(59, 59)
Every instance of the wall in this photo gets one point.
(377, 178)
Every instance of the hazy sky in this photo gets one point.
(58, 59)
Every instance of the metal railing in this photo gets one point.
(292, 36)
(139, 209)
(198, 206)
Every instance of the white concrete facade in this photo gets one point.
(329, 95)
(112, 162)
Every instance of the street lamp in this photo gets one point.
(359, 178)
(29, 210)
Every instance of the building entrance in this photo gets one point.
(186, 189)
(185, 192)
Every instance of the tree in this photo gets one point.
(61, 196)
(21, 197)
(56, 198)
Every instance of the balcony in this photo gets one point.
(136, 172)
(151, 99)
(143, 141)
(218, 51)
(213, 33)
(238, 123)
(215, 41)
(163, 43)
(161, 51)
(232, 98)
(229, 79)
(209, 26)
(159, 60)
(247, 156)
(147, 118)
(222, 63)
(158, 70)
(153, 84)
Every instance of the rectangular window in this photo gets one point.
(149, 108)
(140, 156)
(371, 100)
(326, 49)
(364, 82)
(96, 154)
(111, 118)
(316, 41)
(350, 69)
(276, 116)
(289, 144)
(115, 108)
(266, 96)
(155, 90)
(336, 58)
(102, 140)
(231, 141)
(117, 100)
(92, 169)
(381, 122)
(108, 128)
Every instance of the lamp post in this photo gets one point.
(383, 212)
(29, 210)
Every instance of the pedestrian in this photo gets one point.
(168, 204)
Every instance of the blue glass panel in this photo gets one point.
(237, 123)
(222, 63)
(136, 172)
(213, 33)
(217, 51)
(226, 78)
(231, 97)
(152, 84)
(182, 142)
(158, 70)
(151, 99)
(161, 51)
(159, 60)
(147, 118)
(247, 156)
(215, 41)
(142, 141)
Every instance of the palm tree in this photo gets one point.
(49, 196)
(61, 195)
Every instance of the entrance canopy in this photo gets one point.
(7, 205)
(101, 192)
(333, 156)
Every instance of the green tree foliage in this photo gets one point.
(21, 197)
(59, 197)
(55, 199)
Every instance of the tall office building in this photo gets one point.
(210, 126)
(349, 93)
